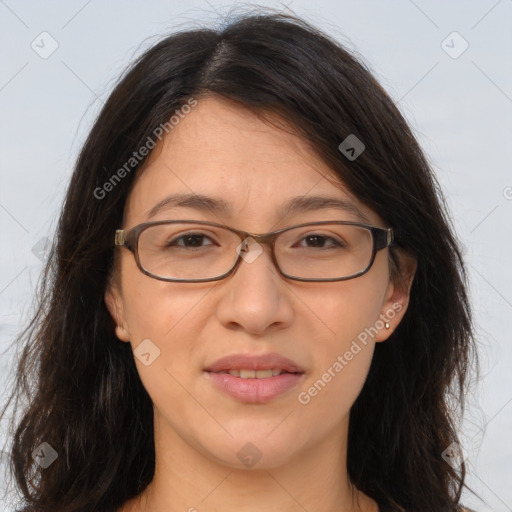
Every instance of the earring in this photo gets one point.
(387, 325)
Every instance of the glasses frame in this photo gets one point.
(129, 238)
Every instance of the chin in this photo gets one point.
(253, 448)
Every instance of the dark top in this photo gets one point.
(381, 509)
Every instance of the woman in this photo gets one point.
(255, 300)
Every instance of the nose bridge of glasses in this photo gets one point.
(262, 239)
(258, 242)
(252, 245)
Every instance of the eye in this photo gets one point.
(320, 241)
(189, 240)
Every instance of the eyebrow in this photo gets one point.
(297, 204)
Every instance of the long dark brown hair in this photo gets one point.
(78, 384)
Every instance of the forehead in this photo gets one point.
(221, 149)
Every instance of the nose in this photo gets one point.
(255, 297)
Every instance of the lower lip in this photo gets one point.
(255, 391)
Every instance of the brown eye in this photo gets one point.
(189, 240)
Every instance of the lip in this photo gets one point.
(255, 391)
(254, 362)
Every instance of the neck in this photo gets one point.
(186, 479)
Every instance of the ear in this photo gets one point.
(114, 303)
(397, 295)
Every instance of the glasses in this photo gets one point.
(191, 251)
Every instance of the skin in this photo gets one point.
(222, 150)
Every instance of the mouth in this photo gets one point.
(256, 374)
(254, 379)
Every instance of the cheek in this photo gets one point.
(342, 325)
(334, 386)
(340, 312)
(164, 320)
(153, 308)
(171, 316)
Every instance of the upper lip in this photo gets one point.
(254, 362)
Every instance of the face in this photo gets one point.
(325, 330)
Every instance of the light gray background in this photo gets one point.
(460, 109)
